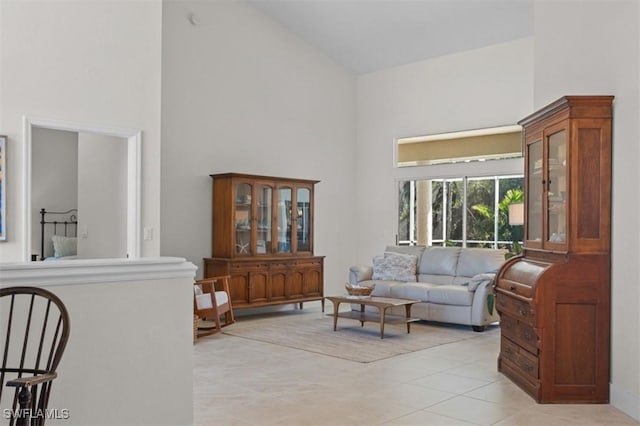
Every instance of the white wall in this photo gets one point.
(242, 94)
(54, 180)
(485, 87)
(95, 63)
(129, 358)
(102, 196)
(594, 48)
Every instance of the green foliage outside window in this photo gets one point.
(487, 219)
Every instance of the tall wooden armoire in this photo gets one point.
(554, 299)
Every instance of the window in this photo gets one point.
(455, 147)
(465, 211)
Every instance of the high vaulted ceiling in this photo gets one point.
(370, 35)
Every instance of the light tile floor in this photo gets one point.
(244, 382)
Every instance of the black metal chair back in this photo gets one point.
(34, 330)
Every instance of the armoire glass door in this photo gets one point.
(243, 218)
(283, 212)
(557, 187)
(534, 193)
(264, 212)
(303, 219)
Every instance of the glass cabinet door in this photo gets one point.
(264, 215)
(556, 187)
(283, 214)
(243, 218)
(534, 193)
(303, 219)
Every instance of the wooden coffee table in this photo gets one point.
(382, 303)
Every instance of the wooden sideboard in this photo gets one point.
(270, 281)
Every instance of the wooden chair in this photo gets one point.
(34, 329)
(212, 300)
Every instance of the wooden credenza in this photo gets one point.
(554, 299)
(263, 238)
(270, 281)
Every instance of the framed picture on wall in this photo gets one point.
(3, 178)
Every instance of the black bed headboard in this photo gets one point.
(66, 222)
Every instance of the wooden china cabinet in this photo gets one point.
(263, 238)
(554, 299)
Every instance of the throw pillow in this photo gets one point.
(64, 246)
(395, 267)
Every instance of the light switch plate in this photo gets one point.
(148, 233)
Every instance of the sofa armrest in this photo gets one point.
(483, 311)
(481, 280)
(360, 273)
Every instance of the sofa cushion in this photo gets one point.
(460, 280)
(451, 295)
(438, 279)
(474, 261)
(395, 266)
(413, 250)
(419, 291)
(439, 261)
(382, 287)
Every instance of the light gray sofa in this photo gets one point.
(452, 283)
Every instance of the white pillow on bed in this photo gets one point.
(64, 246)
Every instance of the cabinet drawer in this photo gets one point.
(515, 287)
(511, 370)
(522, 334)
(519, 309)
(527, 362)
(309, 263)
(280, 265)
(244, 267)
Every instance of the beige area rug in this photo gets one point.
(314, 333)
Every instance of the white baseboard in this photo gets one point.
(626, 402)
